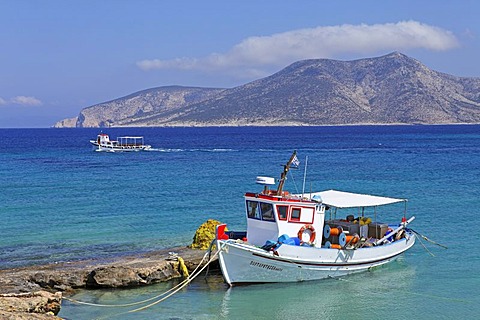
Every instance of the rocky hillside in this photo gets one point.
(384, 90)
(136, 108)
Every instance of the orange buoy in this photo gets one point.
(335, 246)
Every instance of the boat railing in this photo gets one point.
(130, 141)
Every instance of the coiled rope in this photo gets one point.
(168, 293)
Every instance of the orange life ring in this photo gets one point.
(313, 233)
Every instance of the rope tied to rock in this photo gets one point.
(182, 267)
(182, 284)
(164, 295)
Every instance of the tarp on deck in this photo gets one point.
(341, 199)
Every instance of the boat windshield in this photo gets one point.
(260, 211)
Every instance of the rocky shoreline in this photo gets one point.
(35, 292)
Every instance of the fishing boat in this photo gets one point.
(128, 143)
(301, 237)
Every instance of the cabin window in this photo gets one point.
(252, 210)
(260, 211)
(267, 211)
(302, 214)
(295, 216)
(282, 212)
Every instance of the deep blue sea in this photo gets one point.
(61, 201)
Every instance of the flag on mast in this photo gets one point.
(295, 162)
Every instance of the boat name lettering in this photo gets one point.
(264, 266)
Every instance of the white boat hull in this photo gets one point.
(108, 148)
(244, 263)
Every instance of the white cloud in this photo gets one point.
(26, 101)
(2, 101)
(256, 53)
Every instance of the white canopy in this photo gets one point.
(341, 199)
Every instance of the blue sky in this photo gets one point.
(59, 56)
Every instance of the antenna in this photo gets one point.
(304, 175)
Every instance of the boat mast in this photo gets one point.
(283, 177)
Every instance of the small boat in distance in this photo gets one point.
(312, 236)
(128, 143)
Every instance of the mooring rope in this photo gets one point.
(171, 292)
(425, 247)
(143, 301)
(426, 239)
(209, 251)
(183, 284)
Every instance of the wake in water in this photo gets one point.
(189, 150)
(164, 150)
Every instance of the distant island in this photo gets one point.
(392, 89)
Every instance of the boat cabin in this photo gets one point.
(104, 139)
(270, 216)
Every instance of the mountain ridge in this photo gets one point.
(391, 89)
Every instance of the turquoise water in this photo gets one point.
(61, 201)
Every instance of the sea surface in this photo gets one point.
(61, 201)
